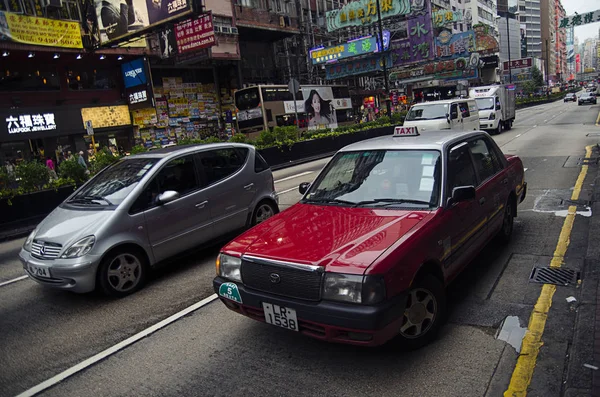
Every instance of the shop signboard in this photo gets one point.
(39, 31)
(195, 34)
(485, 43)
(19, 123)
(448, 45)
(443, 17)
(361, 46)
(364, 13)
(134, 73)
(106, 116)
(140, 97)
(518, 63)
(418, 46)
(449, 70)
(369, 64)
(118, 20)
(580, 19)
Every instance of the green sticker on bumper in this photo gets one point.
(230, 291)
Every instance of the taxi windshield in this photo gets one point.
(427, 112)
(380, 178)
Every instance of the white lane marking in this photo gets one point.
(516, 136)
(14, 280)
(287, 191)
(114, 349)
(294, 176)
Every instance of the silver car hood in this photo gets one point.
(65, 226)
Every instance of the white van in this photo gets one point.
(460, 114)
(497, 107)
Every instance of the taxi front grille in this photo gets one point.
(45, 250)
(281, 280)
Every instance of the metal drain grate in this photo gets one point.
(553, 275)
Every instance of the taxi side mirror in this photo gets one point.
(463, 193)
(303, 188)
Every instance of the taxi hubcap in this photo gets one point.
(124, 272)
(419, 314)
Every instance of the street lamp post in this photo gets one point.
(547, 70)
(508, 42)
(385, 73)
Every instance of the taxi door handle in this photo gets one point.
(201, 205)
(482, 201)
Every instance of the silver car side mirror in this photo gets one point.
(167, 197)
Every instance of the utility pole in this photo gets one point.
(547, 82)
(385, 72)
(508, 42)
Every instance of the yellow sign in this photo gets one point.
(43, 31)
(106, 116)
(143, 117)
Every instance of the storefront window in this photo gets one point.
(92, 79)
(29, 78)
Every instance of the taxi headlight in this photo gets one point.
(80, 247)
(230, 267)
(352, 288)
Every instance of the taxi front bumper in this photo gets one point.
(325, 320)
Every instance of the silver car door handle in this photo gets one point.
(248, 187)
(201, 205)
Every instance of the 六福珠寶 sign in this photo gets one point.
(30, 123)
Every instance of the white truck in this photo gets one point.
(496, 105)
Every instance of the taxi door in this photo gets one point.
(463, 229)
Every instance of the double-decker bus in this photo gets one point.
(263, 107)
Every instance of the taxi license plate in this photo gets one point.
(280, 316)
(39, 271)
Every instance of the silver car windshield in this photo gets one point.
(427, 112)
(113, 185)
(380, 178)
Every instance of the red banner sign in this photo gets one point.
(195, 34)
(518, 63)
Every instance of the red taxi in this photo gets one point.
(366, 254)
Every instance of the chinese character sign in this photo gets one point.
(364, 12)
(579, 19)
(359, 66)
(448, 45)
(518, 63)
(39, 31)
(443, 17)
(418, 46)
(362, 46)
(195, 34)
(30, 123)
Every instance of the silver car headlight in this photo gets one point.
(80, 247)
(229, 267)
(352, 288)
(29, 241)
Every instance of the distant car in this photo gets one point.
(570, 98)
(587, 97)
(367, 253)
(146, 208)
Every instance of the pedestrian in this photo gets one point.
(51, 168)
(10, 168)
(81, 160)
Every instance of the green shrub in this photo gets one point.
(239, 138)
(138, 149)
(101, 160)
(211, 139)
(383, 120)
(6, 179)
(72, 170)
(32, 176)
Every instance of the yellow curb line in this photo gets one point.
(598, 120)
(532, 341)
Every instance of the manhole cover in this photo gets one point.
(553, 275)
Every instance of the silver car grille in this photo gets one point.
(45, 250)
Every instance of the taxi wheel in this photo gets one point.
(424, 313)
(122, 272)
(507, 223)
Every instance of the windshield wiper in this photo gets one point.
(90, 200)
(337, 201)
(98, 198)
(390, 201)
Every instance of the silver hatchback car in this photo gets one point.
(144, 209)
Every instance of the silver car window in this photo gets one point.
(220, 163)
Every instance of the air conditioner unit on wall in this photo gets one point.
(217, 29)
(226, 29)
(234, 31)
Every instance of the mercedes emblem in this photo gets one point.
(43, 250)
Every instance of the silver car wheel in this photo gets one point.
(264, 212)
(124, 272)
(419, 314)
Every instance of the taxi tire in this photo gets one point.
(436, 288)
(102, 278)
(505, 233)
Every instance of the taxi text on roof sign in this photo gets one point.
(406, 131)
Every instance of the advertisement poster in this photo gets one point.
(195, 34)
(319, 107)
(119, 19)
(134, 73)
(39, 31)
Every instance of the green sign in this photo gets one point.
(230, 291)
(364, 12)
(580, 19)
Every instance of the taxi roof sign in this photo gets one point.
(405, 131)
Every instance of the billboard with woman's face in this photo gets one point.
(318, 105)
